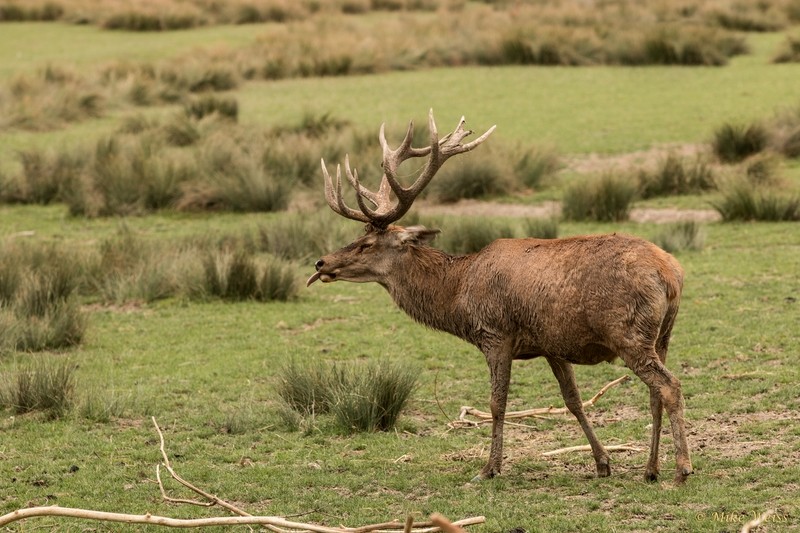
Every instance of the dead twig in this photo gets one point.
(211, 499)
(149, 519)
(445, 524)
(541, 412)
(627, 447)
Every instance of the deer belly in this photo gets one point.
(591, 354)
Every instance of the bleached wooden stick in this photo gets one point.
(627, 447)
(540, 412)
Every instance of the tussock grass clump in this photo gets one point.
(127, 268)
(234, 176)
(308, 388)
(317, 125)
(755, 17)
(181, 131)
(62, 326)
(206, 105)
(468, 235)
(494, 172)
(278, 281)
(38, 299)
(479, 178)
(45, 175)
(743, 202)
(604, 199)
(291, 237)
(47, 384)
(763, 170)
(536, 165)
(238, 275)
(361, 397)
(733, 143)
(373, 398)
(300, 237)
(668, 46)
(681, 236)
(784, 130)
(129, 177)
(153, 21)
(540, 228)
(789, 143)
(789, 51)
(49, 98)
(30, 11)
(245, 187)
(675, 176)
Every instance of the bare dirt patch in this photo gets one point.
(721, 436)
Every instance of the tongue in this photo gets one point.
(313, 278)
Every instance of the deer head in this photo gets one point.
(370, 258)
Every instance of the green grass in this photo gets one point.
(196, 366)
(25, 46)
(555, 105)
(207, 370)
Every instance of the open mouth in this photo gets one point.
(325, 278)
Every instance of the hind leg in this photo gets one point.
(656, 408)
(572, 398)
(665, 391)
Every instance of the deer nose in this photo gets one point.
(319, 264)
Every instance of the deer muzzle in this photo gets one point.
(324, 276)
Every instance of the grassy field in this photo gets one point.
(203, 369)
(207, 371)
(25, 46)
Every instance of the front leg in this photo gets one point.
(500, 372)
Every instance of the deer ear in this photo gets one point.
(417, 234)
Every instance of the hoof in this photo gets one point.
(682, 473)
(651, 477)
(482, 477)
(603, 470)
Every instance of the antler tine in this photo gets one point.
(384, 213)
(451, 143)
(352, 177)
(334, 196)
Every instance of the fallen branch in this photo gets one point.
(541, 412)
(272, 523)
(627, 447)
(445, 524)
(149, 519)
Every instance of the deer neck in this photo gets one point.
(425, 283)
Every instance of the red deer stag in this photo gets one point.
(579, 300)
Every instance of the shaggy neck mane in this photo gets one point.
(425, 283)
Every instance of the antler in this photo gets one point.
(383, 211)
